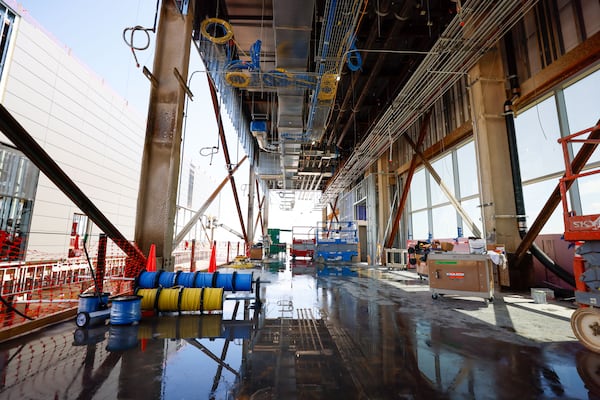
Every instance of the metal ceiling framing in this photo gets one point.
(471, 33)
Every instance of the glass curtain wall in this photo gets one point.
(432, 216)
(566, 110)
(18, 183)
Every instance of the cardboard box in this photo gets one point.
(256, 253)
(446, 246)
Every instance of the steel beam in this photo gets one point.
(15, 132)
(213, 93)
(389, 242)
(157, 196)
(580, 160)
(190, 224)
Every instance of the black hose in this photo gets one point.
(100, 303)
(12, 308)
(516, 172)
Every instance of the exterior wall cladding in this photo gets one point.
(87, 128)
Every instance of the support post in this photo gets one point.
(101, 263)
(160, 162)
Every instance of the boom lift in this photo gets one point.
(584, 230)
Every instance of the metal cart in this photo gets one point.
(461, 274)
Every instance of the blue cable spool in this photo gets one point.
(148, 280)
(126, 310)
(243, 282)
(90, 302)
(234, 282)
(166, 279)
(185, 279)
(203, 279)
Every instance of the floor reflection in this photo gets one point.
(322, 332)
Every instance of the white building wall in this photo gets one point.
(86, 128)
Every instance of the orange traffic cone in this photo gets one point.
(212, 265)
(151, 263)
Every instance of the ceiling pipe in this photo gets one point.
(460, 46)
(373, 76)
(373, 36)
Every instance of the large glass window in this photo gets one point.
(443, 167)
(18, 182)
(537, 136)
(467, 170)
(426, 195)
(581, 102)
(420, 225)
(444, 222)
(7, 19)
(418, 190)
(535, 196)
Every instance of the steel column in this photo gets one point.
(160, 163)
(251, 180)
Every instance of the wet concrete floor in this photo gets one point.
(333, 332)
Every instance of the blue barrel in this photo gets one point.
(203, 279)
(126, 310)
(185, 279)
(166, 279)
(121, 338)
(90, 302)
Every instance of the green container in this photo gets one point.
(275, 247)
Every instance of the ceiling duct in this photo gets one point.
(292, 25)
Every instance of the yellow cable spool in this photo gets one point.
(148, 298)
(190, 299)
(168, 299)
(328, 87)
(216, 39)
(212, 299)
(238, 79)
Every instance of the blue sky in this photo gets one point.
(94, 32)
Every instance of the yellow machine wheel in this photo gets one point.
(585, 323)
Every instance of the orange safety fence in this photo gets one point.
(35, 286)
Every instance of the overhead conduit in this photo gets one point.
(458, 49)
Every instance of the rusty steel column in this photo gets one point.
(160, 163)
(229, 165)
(250, 227)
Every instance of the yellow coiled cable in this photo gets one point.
(148, 298)
(168, 299)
